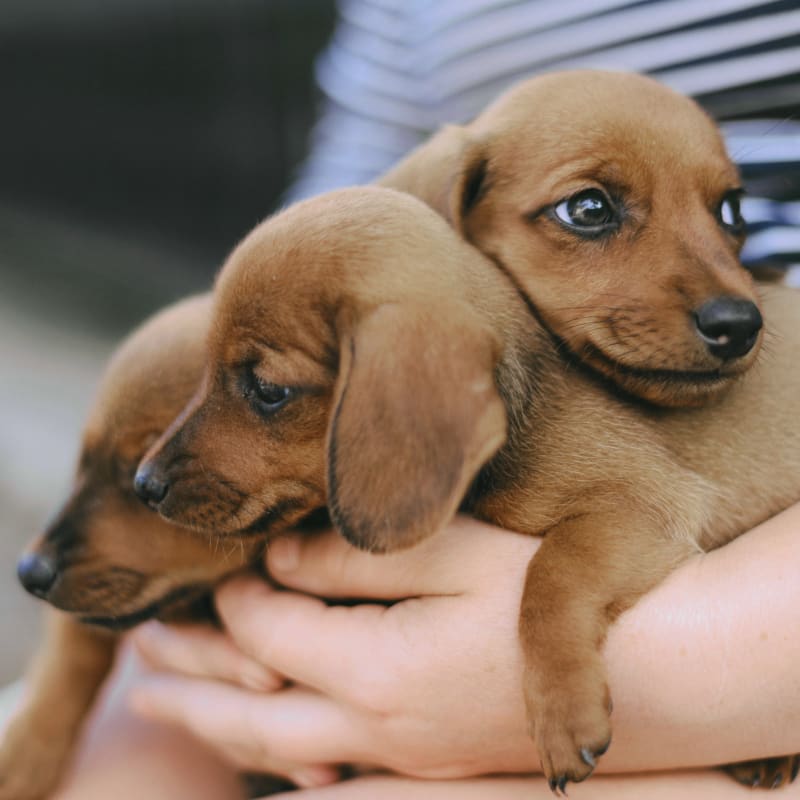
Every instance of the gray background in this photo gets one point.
(139, 139)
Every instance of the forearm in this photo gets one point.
(703, 669)
(700, 785)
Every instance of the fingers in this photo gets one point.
(325, 647)
(257, 732)
(202, 652)
(450, 562)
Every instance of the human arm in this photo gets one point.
(688, 785)
(430, 685)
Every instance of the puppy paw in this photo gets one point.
(571, 730)
(30, 765)
(765, 773)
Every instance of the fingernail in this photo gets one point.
(311, 777)
(284, 554)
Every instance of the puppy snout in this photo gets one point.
(36, 573)
(149, 484)
(729, 326)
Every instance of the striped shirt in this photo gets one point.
(395, 70)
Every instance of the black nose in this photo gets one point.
(729, 326)
(149, 485)
(36, 573)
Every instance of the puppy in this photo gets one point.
(610, 201)
(106, 559)
(364, 357)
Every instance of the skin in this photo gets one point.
(701, 597)
(419, 717)
(702, 785)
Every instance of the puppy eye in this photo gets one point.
(589, 210)
(267, 397)
(271, 395)
(730, 214)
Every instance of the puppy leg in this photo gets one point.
(765, 773)
(588, 570)
(71, 665)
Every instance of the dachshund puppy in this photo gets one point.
(106, 559)
(611, 202)
(364, 357)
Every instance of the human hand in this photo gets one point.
(430, 685)
(200, 652)
(400, 687)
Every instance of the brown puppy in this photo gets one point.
(611, 201)
(362, 355)
(106, 559)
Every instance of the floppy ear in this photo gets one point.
(416, 414)
(448, 172)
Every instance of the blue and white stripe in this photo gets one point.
(395, 70)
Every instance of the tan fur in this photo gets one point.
(397, 341)
(619, 304)
(118, 562)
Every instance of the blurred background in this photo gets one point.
(139, 140)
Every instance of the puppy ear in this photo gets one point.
(448, 172)
(416, 414)
(467, 186)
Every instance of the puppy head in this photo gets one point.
(106, 557)
(345, 368)
(611, 201)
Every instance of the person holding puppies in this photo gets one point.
(621, 489)
(437, 716)
(231, 292)
(160, 643)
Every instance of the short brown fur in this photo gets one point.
(622, 304)
(417, 380)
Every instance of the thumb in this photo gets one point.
(449, 562)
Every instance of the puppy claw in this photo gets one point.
(766, 773)
(588, 758)
(569, 744)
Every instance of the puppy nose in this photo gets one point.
(149, 485)
(36, 573)
(729, 326)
